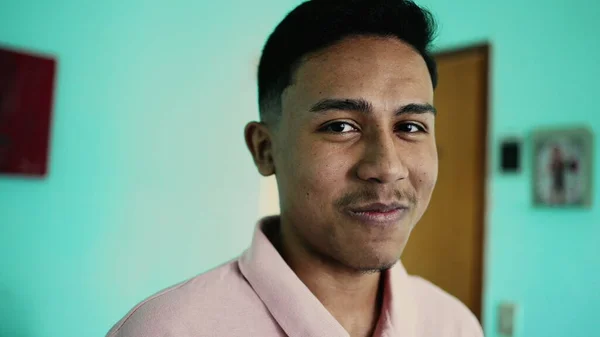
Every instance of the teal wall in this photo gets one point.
(544, 73)
(150, 182)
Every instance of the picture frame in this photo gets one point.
(562, 170)
(27, 88)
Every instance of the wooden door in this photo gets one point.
(446, 247)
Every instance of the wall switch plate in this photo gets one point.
(510, 155)
(507, 313)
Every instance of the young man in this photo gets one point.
(347, 126)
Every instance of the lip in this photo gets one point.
(379, 213)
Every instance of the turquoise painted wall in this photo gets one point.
(544, 73)
(150, 182)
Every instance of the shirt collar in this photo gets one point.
(299, 312)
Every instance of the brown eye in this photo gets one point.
(410, 128)
(339, 127)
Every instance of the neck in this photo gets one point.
(353, 297)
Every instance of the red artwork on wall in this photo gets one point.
(26, 99)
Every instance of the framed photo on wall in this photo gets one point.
(562, 168)
(26, 101)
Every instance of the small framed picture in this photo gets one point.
(562, 168)
(26, 101)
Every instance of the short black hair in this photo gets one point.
(317, 24)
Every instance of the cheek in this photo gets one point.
(425, 172)
(318, 173)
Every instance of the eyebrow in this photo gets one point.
(364, 106)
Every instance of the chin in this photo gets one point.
(377, 269)
(368, 263)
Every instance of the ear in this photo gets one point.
(258, 140)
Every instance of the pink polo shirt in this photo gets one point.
(259, 295)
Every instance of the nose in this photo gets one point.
(382, 162)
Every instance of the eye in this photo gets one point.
(410, 128)
(339, 127)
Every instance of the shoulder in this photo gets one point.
(193, 306)
(443, 310)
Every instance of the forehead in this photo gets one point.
(381, 70)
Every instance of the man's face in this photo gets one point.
(354, 152)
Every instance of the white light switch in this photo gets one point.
(507, 313)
